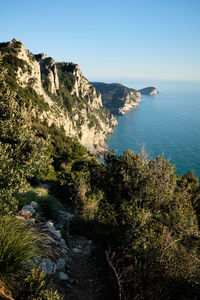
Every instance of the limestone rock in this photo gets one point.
(49, 70)
(63, 276)
(88, 120)
(34, 204)
(65, 215)
(20, 218)
(60, 266)
(63, 242)
(27, 211)
(48, 266)
(76, 250)
(56, 233)
(49, 224)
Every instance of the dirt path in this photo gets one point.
(89, 282)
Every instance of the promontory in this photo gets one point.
(117, 97)
(151, 91)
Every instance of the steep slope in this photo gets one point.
(57, 93)
(117, 97)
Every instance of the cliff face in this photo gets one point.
(117, 97)
(59, 94)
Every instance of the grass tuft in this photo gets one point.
(19, 244)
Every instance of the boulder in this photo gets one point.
(65, 215)
(27, 211)
(60, 266)
(63, 276)
(48, 266)
(34, 204)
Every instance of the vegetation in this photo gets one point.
(37, 286)
(28, 97)
(19, 244)
(21, 152)
(48, 206)
(150, 226)
(145, 218)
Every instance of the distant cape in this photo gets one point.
(152, 91)
(117, 98)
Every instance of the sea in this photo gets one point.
(167, 124)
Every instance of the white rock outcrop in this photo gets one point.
(87, 120)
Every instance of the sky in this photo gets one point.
(111, 39)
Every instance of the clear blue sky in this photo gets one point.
(111, 39)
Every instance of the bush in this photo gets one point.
(26, 198)
(48, 205)
(36, 286)
(22, 154)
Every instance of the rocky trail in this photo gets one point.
(86, 284)
(76, 264)
(87, 275)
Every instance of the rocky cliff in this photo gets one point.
(117, 97)
(151, 91)
(57, 93)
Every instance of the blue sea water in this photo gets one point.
(167, 124)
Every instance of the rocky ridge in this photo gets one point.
(71, 101)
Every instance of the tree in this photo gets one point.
(155, 238)
(21, 152)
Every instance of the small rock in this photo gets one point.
(60, 266)
(73, 281)
(49, 224)
(20, 218)
(65, 215)
(63, 276)
(27, 211)
(62, 241)
(76, 250)
(34, 204)
(64, 251)
(48, 266)
(57, 233)
(31, 221)
(50, 241)
(52, 230)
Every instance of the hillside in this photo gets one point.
(117, 97)
(57, 93)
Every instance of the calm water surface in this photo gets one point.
(167, 124)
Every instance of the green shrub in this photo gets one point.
(37, 287)
(27, 198)
(22, 154)
(49, 207)
(29, 96)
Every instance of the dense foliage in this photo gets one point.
(21, 152)
(149, 219)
